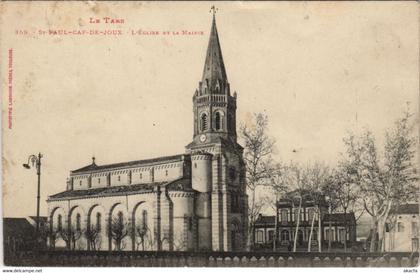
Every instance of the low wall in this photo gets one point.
(211, 259)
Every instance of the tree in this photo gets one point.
(346, 193)
(118, 230)
(316, 176)
(70, 234)
(141, 231)
(93, 237)
(297, 187)
(384, 183)
(278, 184)
(258, 163)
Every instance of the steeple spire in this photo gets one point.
(214, 67)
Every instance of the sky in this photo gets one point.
(317, 70)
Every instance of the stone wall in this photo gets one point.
(211, 259)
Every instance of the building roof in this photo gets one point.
(17, 227)
(405, 209)
(269, 220)
(115, 190)
(94, 167)
(340, 217)
(265, 220)
(307, 200)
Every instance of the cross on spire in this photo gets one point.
(213, 10)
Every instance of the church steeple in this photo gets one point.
(214, 107)
(214, 67)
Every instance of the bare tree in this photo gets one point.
(70, 234)
(278, 184)
(140, 232)
(317, 176)
(347, 193)
(93, 237)
(258, 148)
(384, 183)
(118, 230)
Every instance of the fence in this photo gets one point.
(212, 259)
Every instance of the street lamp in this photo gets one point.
(36, 161)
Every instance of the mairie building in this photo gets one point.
(194, 201)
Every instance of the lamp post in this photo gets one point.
(36, 161)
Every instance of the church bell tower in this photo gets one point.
(214, 107)
(218, 173)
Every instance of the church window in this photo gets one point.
(98, 221)
(120, 219)
(218, 121)
(78, 228)
(60, 222)
(144, 220)
(190, 223)
(204, 122)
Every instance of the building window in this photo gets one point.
(60, 223)
(414, 229)
(285, 235)
(296, 214)
(98, 221)
(80, 182)
(190, 223)
(78, 224)
(99, 181)
(260, 236)
(284, 215)
(327, 234)
(203, 122)
(311, 214)
(119, 178)
(400, 227)
(341, 234)
(195, 165)
(270, 235)
(141, 176)
(120, 219)
(218, 121)
(166, 172)
(144, 219)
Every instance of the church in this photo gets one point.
(194, 201)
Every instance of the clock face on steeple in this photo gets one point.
(203, 138)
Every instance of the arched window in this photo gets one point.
(144, 219)
(218, 121)
(203, 122)
(60, 222)
(120, 219)
(78, 224)
(98, 221)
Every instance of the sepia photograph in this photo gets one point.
(210, 134)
